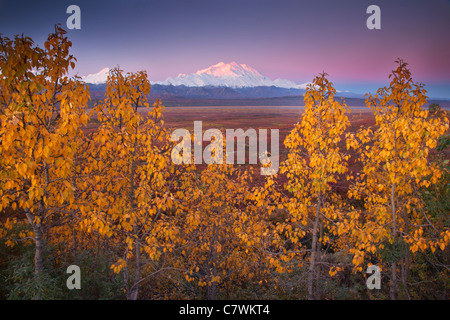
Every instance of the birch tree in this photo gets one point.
(42, 113)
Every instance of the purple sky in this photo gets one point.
(294, 40)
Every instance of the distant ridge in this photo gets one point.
(228, 81)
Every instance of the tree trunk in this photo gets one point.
(39, 253)
(393, 288)
(318, 269)
(405, 264)
(134, 291)
(39, 245)
(312, 264)
(404, 275)
(211, 291)
(137, 248)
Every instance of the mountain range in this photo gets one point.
(219, 81)
(225, 84)
(231, 75)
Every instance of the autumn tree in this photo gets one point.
(42, 113)
(314, 162)
(224, 236)
(130, 177)
(395, 154)
(220, 242)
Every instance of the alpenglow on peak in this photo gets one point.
(97, 78)
(231, 74)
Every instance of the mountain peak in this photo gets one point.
(232, 69)
(230, 74)
(97, 78)
(221, 74)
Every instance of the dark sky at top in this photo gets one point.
(282, 39)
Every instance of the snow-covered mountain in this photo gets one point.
(97, 78)
(220, 81)
(232, 75)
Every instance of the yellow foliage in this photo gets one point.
(396, 164)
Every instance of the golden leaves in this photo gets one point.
(314, 160)
(395, 164)
(334, 270)
(41, 116)
(119, 182)
(119, 265)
